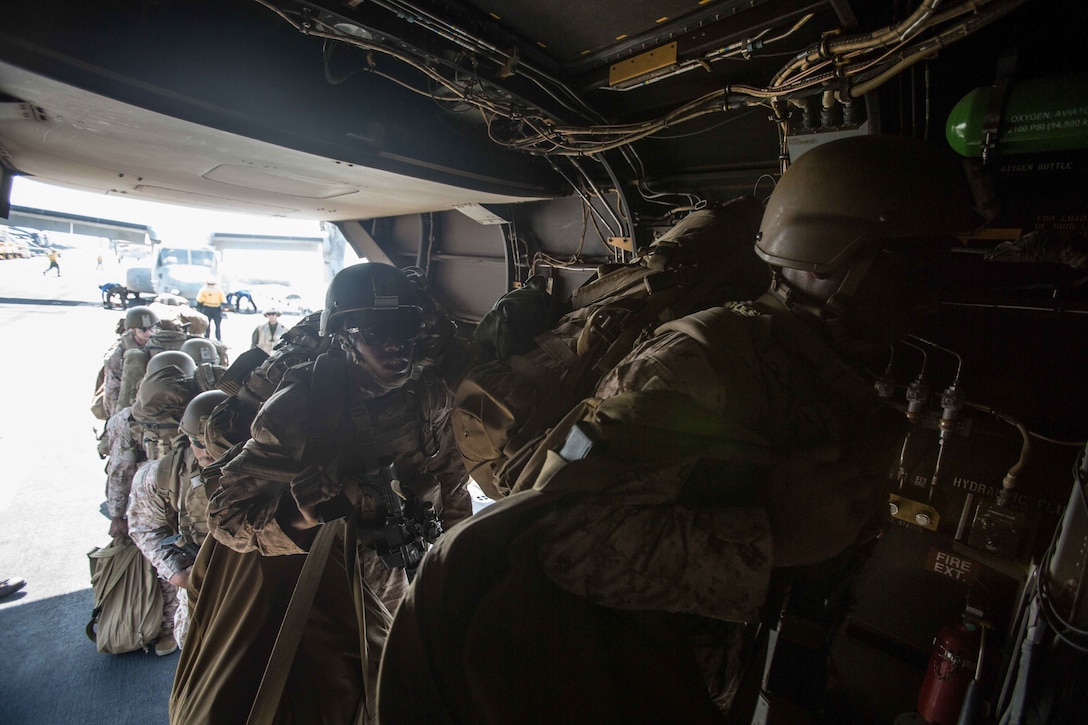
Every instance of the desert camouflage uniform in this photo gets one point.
(114, 362)
(176, 314)
(168, 497)
(125, 455)
(243, 511)
(160, 403)
(243, 578)
(648, 552)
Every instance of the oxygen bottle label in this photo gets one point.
(1039, 115)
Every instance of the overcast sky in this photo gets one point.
(171, 223)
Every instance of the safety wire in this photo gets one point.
(509, 62)
(577, 257)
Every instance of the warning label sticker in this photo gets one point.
(952, 565)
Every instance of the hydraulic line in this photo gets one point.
(585, 199)
(596, 191)
(951, 405)
(849, 67)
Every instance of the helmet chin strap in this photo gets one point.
(375, 382)
(795, 300)
(837, 303)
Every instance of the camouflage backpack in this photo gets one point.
(254, 376)
(98, 400)
(128, 601)
(160, 403)
(504, 407)
(164, 339)
(519, 316)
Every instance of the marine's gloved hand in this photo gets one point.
(817, 503)
(319, 498)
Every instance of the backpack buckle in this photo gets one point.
(580, 443)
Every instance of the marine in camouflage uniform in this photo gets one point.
(123, 458)
(172, 379)
(134, 431)
(739, 448)
(141, 533)
(139, 323)
(152, 521)
(170, 499)
(165, 390)
(630, 571)
(409, 423)
(305, 458)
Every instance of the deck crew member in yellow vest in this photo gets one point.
(210, 301)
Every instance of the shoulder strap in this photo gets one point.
(182, 486)
(327, 402)
(232, 380)
(736, 326)
(169, 472)
(615, 281)
(270, 690)
(840, 377)
(331, 397)
(718, 329)
(425, 396)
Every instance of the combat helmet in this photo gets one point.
(198, 410)
(845, 195)
(201, 350)
(368, 294)
(139, 317)
(164, 359)
(856, 195)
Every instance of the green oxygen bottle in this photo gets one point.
(1040, 115)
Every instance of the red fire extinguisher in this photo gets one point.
(951, 668)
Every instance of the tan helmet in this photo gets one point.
(198, 411)
(140, 317)
(201, 350)
(166, 358)
(847, 195)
